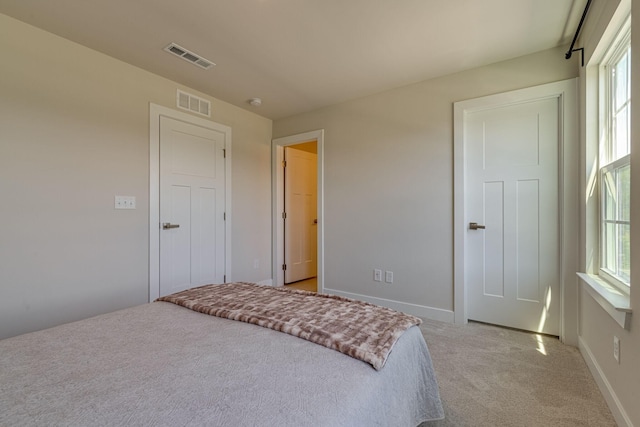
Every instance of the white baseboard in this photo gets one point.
(266, 282)
(413, 309)
(621, 417)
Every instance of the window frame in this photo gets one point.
(608, 274)
(607, 162)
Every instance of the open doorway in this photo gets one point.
(300, 217)
(298, 211)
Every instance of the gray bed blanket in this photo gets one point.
(160, 364)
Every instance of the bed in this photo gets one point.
(163, 364)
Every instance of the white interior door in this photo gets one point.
(511, 188)
(192, 205)
(300, 200)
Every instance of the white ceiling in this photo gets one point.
(299, 55)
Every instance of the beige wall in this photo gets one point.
(74, 132)
(389, 181)
(620, 383)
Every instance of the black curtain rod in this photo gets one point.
(575, 37)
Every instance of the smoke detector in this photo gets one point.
(256, 102)
(189, 56)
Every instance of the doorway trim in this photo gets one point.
(277, 182)
(566, 93)
(155, 113)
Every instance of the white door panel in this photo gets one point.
(493, 280)
(512, 268)
(192, 187)
(176, 243)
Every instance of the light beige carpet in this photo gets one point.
(310, 285)
(491, 376)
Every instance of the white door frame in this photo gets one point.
(566, 93)
(155, 113)
(277, 181)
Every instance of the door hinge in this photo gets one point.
(284, 163)
(224, 278)
(284, 215)
(284, 266)
(224, 153)
(224, 216)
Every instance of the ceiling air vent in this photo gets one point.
(189, 56)
(193, 103)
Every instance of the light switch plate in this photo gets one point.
(388, 276)
(125, 202)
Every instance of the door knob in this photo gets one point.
(169, 226)
(476, 226)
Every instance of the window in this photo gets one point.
(615, 168)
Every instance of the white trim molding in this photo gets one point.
(617, 410)
(612, 300)
(422, 311)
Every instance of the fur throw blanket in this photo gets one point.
(358, 329)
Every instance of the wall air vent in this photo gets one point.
(189, 56)
(193, 103)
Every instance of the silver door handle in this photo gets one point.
(168, 226)
(475, 226)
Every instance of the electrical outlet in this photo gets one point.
(616, 348)
(388, 276)
(377, 275)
